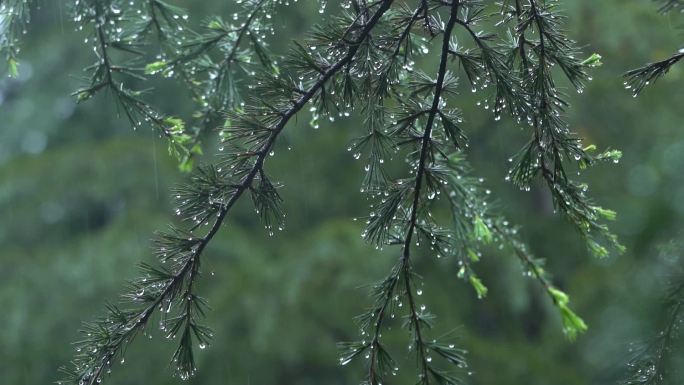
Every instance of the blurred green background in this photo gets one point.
(81, 193)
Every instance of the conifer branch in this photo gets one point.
(402, 211)
(107, 20)
(195, 53)
(165, 20)
(552, 143)
(425, 150)
(14, 15)
(380, 361)
(478, 224)
(364, 58)
(108, 337)
(637, 79)
(653, 362)
(223, 37)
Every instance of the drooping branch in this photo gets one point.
(552, 144)
(402, 210)
(386, 293)
(108, 338)
(425, 155)
(342, 66)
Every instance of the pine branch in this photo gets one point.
(651, 363)
(108, 337)
(165, 20)
(107, 20)
(402, 212)
(14, 15)
(221, 37)
(123, 28)
(552, 143)
(417, 318)
(195, 53)
(637, 79)
(472, 215)
(355, 63)
(420, 173)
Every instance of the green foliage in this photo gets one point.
(552, 143)
(572, 324)
(653, 361)
(206, 62)
(13, 67)
(638, 78)
(361, 61)
(479, 287)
